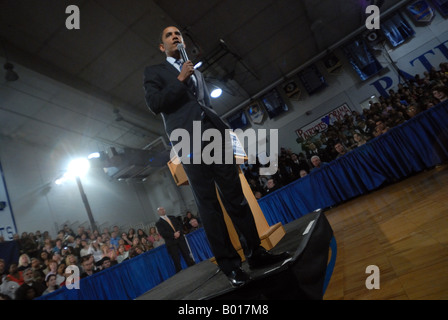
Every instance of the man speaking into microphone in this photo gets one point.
(179, 93)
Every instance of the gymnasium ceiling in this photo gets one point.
(247, 46)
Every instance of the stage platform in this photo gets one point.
(303, 276)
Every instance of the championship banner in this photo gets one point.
(421, 11)
(292, 90)
(255, 112)
(321, 124)
(7, 223)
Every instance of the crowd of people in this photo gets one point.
(42, 266)
(354, 130)
(44, 263)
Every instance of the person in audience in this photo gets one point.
(123, 254)
(186, 221)
(440, 93)
(258, 195)
(48, 246)
(87, 266)
(412, 111)
(152, 233)
(24, 262)
(8, 289)
(195, 225)
(53, 267)
(271, 186)
(141, 234)
(50, 281)
(341, 149)
(131, 234)
(303, 173)
(158, 241)
(114, 239)
(126, 241)
(136, 242)
(30, 288)
(14, 274)
(146, 243)
(104, 263)
(71, 260)
(136, 250)
(58, 246)
(60, 277)
(96, 251)
(3, 271)
(85, 247)
(381, 128)
(298, 165)
(359, 140)
(37, 267)
(317, 163)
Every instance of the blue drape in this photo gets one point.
(411, 147)
(397, 30)
(199, 246)
(9, 251)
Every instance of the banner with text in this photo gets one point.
(321, 124)
(7, 224)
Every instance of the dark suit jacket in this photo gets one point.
(167, 232)
(177, 104)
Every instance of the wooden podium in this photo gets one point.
(269, 235)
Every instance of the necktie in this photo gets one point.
(169, 221)
(191, 82)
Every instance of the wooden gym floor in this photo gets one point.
(402, 229)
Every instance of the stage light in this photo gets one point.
(94, 155)
(78, 167)
(198, 65)
(216, 93)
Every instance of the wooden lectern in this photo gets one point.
(269, 235)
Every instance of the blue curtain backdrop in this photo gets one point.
(416, 145)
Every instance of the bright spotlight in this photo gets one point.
(78, 167)
(216, 93)
(94, 155)
(198, 65)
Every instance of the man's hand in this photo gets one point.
(186, 71)
(176, 234)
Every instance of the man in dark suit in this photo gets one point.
(172, 231)
(179, 93)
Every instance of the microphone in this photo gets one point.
(182, 51)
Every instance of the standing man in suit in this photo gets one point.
(179, 93)
(171, 230)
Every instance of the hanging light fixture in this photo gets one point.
(216, 92)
